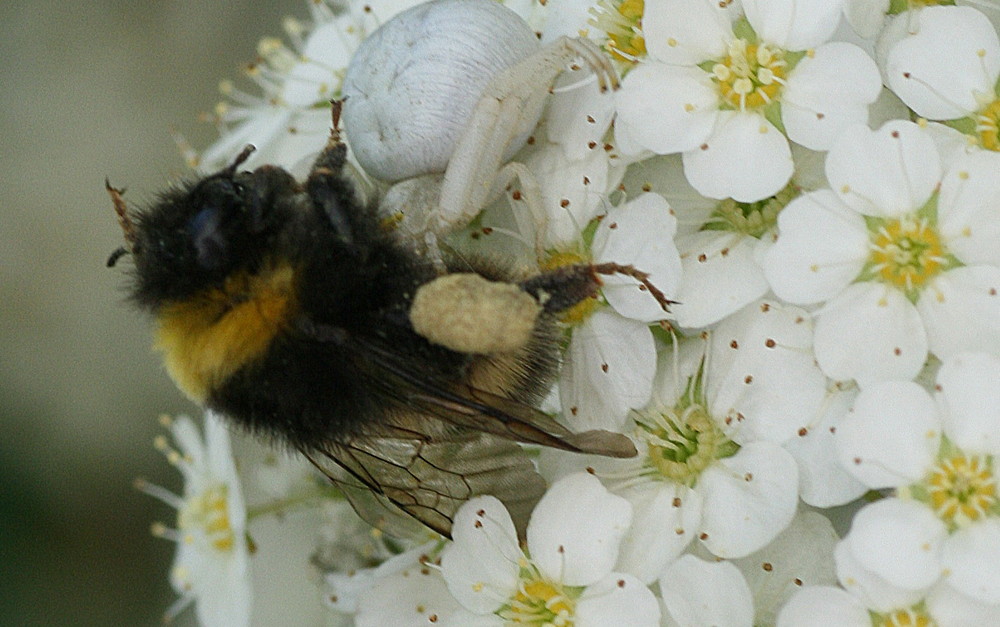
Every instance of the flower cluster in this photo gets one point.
(817, 184)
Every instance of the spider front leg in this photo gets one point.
(474, 177)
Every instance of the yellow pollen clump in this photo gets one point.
(906, 252)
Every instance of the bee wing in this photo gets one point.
(443, 442)
(467, 406)
(429, 477)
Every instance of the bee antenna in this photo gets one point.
(240, 158)
(118, 253)
(124, 220)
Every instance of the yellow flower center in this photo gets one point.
(681, 443)
(988, 125)
(751, 75)
(962, 489)
(906, 252)
(621, 20)
(208, 513)
(904, 618)
(540, 602)
(579, 312)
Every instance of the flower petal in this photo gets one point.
(827, 92)
(971, 557)
(618, 599)
(869, 333)
(892, 435)
(961, 311)
(481, 565)
(639, 233)
(874, 591)
(608, 370)
(761, 374)
(821, 248)
(884, 173)
(968, 395)
(746, 158)
(950, 607)
(416, 596)
(968, 205)
(749, 499)
(899, 541)
(696, 592)
(823, 480)
(667, 517)
(793, 24)
(576, 529)
(801, 555)
(667, 108)
(686, 32)
(954, 55)
(814, 606)
(719, 275)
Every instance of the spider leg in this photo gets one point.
(516, 94)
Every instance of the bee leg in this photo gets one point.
(331, 190)
(560, 289)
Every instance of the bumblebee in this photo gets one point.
(284, 306)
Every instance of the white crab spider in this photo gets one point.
(441, 97)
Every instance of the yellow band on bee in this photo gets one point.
(206, 339)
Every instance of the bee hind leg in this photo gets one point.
(562, 288)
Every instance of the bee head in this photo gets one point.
(199, 233)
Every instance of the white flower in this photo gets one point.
(609, 365)
(211, 568)
(939, 454)
(566, 575)
(692, 479)
(902, 251)
(718, 91)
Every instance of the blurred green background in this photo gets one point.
(89, 90)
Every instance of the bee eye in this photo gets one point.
(206, 236)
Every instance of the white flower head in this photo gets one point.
(719, 90)
(940, 456)
(211, 568)
(691, 479)
(900, 252)
(566, 575)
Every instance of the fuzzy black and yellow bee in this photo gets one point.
(284, 306)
